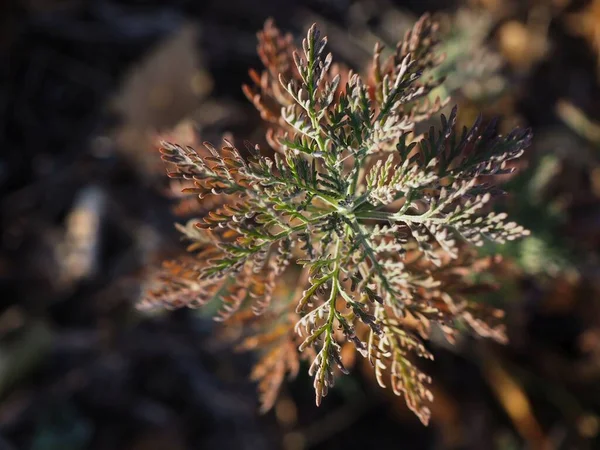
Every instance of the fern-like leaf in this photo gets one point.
(379, 224)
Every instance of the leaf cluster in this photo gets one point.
(375, 222)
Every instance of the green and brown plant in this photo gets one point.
(372, 224)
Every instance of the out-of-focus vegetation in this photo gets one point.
(86, 217)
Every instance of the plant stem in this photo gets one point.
(396, 217)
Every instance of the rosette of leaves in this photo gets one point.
(375, 225)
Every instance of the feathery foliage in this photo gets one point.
(373, 224)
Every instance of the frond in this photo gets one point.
(374, 225)
(389, 352)
(276, 344)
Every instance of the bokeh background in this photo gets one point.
(86, 216)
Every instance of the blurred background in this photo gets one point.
(86, 215)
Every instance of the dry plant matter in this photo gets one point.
(375, 225)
